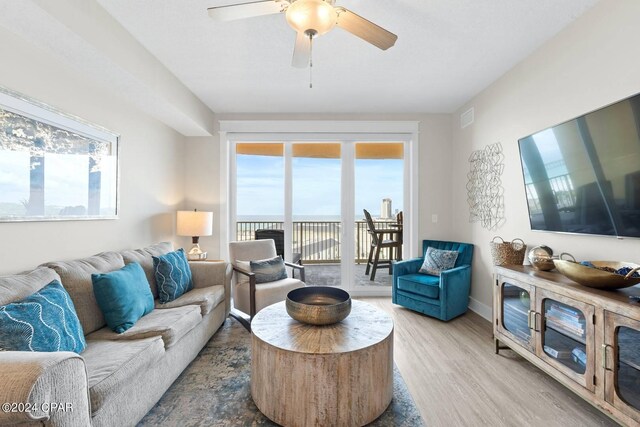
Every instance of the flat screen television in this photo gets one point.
(583, 176)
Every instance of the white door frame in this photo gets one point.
(232, 131)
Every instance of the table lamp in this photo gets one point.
(195, 224)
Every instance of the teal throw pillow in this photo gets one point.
(173, 275)
(268, 270)
(44, 321)
(438, 260)
(124, 296)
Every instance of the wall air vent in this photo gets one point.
(466, 118)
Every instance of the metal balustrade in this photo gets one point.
(317, 241)
(563, 191)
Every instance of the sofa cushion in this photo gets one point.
(110, 364)
(171, 324)
(44, 321)
(144, 257)
(438, 260)
(207, 298)
(19, 286)
(123, 295)
(76, 279)
(420, 284)
(173, 275)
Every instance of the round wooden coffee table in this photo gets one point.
(337, 375)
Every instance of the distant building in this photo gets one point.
(386, 210)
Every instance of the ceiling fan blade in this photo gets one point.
(365, 29)
(302, 51)
(247, 10)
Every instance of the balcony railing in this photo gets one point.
(563, 191)
(318, 241)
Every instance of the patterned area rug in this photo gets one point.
(215, 390)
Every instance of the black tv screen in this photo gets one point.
(583, 176)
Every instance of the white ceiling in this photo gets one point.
(84, 37)
(447, 52)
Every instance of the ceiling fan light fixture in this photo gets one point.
(315, 17)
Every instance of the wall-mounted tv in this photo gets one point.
(583, 176)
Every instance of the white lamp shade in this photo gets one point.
(194, 223)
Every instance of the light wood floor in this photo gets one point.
(330, 275)
(456, 379)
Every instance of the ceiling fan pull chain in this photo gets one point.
(310, 61)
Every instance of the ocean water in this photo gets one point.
(299, 218)
(279, 218)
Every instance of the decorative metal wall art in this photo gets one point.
(485, 193)
(54, 166)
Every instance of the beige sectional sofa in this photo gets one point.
(118, 377)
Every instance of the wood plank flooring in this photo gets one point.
(456, 379)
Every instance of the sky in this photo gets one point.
(549, 150)
(316, 186)
(66, 179)
(14, 176)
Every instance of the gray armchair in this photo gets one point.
(248, 296)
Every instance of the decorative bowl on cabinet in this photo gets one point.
(596, 278)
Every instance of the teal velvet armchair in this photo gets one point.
(444, 297)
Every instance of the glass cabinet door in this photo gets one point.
(566, 337)
(515, 312)
(621, 355)
(628, 365)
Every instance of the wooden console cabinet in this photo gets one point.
(587, 339)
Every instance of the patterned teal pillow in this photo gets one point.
(173, 275)
(438, 260)
(269, 270)
(124, 296)
(44, 321)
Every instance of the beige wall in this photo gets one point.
(202, 182)
(590, 64)
(151, 164)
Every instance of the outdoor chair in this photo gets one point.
(278, 239)
(378, 242)
(399, 235)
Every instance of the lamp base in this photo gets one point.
(196, 254)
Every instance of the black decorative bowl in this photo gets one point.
(318, 305)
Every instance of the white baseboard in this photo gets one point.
(482, 309)
(476, 306)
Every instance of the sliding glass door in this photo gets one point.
(312, 195)
(316, 170)
(379, 190)
(259, 195)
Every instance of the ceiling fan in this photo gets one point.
(310, 18)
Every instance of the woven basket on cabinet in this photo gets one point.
(507, 253)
